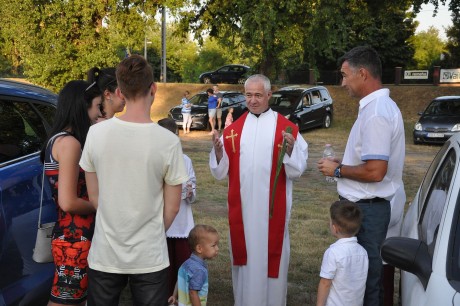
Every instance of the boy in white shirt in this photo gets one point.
(345, 262)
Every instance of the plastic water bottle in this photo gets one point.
(329, 154)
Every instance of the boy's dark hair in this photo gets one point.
(363, 57)
(168, 124)
(210, 90)
(134, 76)
(196, 234)
(347, 216)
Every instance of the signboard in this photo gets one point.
(416, 74)
(450, 76)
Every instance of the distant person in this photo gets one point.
(78, 107)
(186, 113)
(106, 81)
(192, 284)
(219, 96)
(248, 153)
(212, 104)
(371, 170)
(134, 173)
(345, 263)
(229, 118)
(177, 235)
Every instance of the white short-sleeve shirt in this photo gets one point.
(346, 263)
(377, 134)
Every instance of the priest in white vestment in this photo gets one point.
(248, 153)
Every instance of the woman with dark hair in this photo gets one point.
(106, 81)
(78, 107)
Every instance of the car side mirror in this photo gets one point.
(420, 113)
(410, 255)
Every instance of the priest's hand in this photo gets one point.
(218, 146)
(290, 141)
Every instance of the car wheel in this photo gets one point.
(241, 80)
(207, 80)
(327, 121)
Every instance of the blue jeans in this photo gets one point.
(376, 217)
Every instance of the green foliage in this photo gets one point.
(453, 45)
(428, 48)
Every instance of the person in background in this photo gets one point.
(229, 118)
(78, 107)
(345, 263)
(186, 113)
(212, 104)
(134, 173)
(219, 96)
(192, 283)
(106, 81)
(177, 235)
(371, 170)
(249, 154)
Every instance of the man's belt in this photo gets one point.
(366, 201)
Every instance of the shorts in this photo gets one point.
(219, 112)
(212, 113)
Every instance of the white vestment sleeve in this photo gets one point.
(296, 164)
(218, 170)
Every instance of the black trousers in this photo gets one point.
(149, 289)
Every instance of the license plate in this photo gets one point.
(435, 135)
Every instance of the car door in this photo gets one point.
(23, 131)
(237, 101)
(432, 219)
(222, 75)
(308, 111)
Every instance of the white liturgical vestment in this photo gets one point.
(251, 284)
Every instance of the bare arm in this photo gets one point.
(174, 299)
(218, 146)
(194, 298)
(67, 151)
(323, 291)
(92, 184)
(172, 198)
(370, 171)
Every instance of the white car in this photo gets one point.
(428, 250)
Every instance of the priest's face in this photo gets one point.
(256, 96)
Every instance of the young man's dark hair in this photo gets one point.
(363, 56)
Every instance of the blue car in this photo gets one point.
(26, 116)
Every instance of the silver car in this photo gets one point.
(428, 250)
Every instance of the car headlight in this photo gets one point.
(288, 116)
(456, 128)
(418, 126)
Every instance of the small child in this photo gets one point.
(345, 263)
(192, 284)
(229, 118)
(176, 236)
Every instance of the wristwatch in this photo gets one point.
(337, 172)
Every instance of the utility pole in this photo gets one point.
(163, 45)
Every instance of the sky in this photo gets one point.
(426, 19)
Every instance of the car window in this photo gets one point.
(225, 101)
(453, 264)
(306, 100)
(435, 201)
(21, 130)
(324, 94)
(443, 107)
(284, 99)
(316, 96)
(224, 69)
(199, 99)
(47, 112)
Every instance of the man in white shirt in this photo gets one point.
(371, 169)
(134, 174)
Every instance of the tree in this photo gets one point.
(453, 44)
(428, 48)
(454, 5)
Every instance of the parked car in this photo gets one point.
(226, 74)
(439, 121)
(306, 107)
(428, 251)
(200, 118)
(26, 116)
